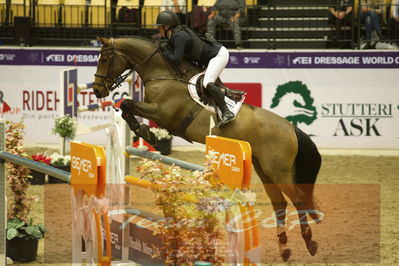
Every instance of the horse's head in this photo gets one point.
(111, 64)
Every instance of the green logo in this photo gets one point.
(293, 101)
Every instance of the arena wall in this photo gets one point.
(346, 99)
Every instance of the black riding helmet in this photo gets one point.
(167, 17)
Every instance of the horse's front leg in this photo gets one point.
(132, 108)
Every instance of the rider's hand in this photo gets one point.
(163, 44)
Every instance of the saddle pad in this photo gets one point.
(233, 106)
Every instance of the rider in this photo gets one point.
(210, 54)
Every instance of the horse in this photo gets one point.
(285, 158)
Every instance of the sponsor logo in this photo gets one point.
(337, 60)
(345, 60)
(302, 60)
(380, 60)
(233, 60)
(229, 160)
(251, 60)
(82, 165)
(7, 57)
(293, 101)
(82, 58)
(357, 119)
(55, 58)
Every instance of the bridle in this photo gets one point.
(113, 83)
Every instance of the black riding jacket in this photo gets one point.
(185, 43)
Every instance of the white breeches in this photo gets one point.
(216, 66)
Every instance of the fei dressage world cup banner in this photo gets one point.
(344, 99)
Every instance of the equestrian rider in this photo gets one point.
(210, 54)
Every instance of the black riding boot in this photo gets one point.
(218, 96)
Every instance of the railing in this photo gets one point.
(388, 20)
(164, 159)
(264, 24)
(39, 167)
(293, 24)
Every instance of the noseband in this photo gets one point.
(113, 83)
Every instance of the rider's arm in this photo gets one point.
(179, 42)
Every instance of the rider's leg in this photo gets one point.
(214, 69)
(216, 66)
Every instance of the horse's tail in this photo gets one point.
(307, 166)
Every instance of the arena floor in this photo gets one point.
(357, 194)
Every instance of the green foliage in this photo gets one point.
(21, 229)
(65, 126)
(20, 204)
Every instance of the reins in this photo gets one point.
(117, 82)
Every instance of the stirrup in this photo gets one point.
(225, 122)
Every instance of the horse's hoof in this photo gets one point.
(315, 217)
(312, 247)
(286, 254)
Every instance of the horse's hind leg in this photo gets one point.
(306, 231)
(303, 206)
(279, 205)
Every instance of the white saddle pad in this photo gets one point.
(233, 106)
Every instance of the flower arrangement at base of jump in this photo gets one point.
(41, 158)
(164, 140)
(161, 133)
(60, 160)
(195, 205)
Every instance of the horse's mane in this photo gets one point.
(135, 37)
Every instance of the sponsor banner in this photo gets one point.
(314, 60)
(49, 57)
(339, 107)
(269, 59)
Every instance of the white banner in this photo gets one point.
(33, 94)
(339, 108)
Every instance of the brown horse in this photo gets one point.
(284, 157)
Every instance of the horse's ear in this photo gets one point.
(102, 40)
